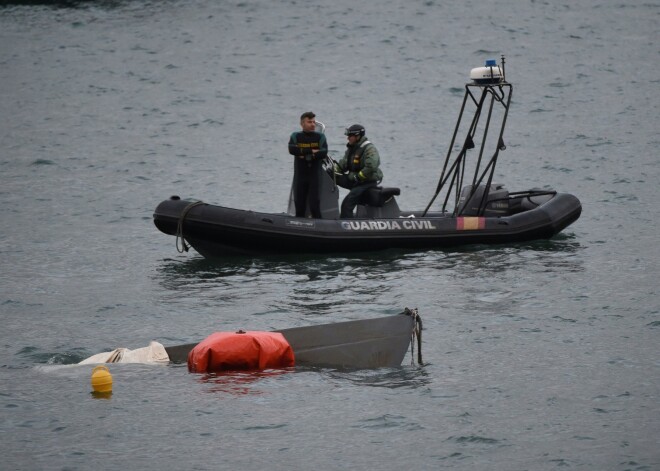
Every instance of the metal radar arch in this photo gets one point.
(482, 120)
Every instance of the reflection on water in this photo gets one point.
(411, 377)
(241, 383)
(238, 383)
(314, 267)
(325, 286)
(307, 265)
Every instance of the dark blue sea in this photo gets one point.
(538, 356)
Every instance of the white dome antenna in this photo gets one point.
(490, 74)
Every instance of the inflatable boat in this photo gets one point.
(473, 210)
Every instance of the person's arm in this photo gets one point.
(342, 163)
(294, 148)
(322, 151)
(371, 163)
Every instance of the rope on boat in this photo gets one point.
(416, 333)
(179, 227)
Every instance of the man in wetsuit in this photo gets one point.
(358, 170)
(309, 149)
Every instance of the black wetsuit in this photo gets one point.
(307, 171)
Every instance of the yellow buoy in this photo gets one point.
(101, 380)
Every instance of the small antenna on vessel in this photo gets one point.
(503, 71)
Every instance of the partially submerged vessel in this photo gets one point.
(474, 208)
(367, 343)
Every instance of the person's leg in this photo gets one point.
(342, 181)
(353, 199)
(300, 194)
(314, 192)
(347, 207)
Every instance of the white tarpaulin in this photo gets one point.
(154, 353)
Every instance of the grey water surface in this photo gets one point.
(538, 356)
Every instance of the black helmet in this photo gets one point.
(355, 130)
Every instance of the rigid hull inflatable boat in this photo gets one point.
(483, 212)
(214, 231)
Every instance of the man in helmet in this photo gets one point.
(309, 149)
(358, 168)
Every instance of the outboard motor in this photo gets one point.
(497, 203)
(527, 200)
